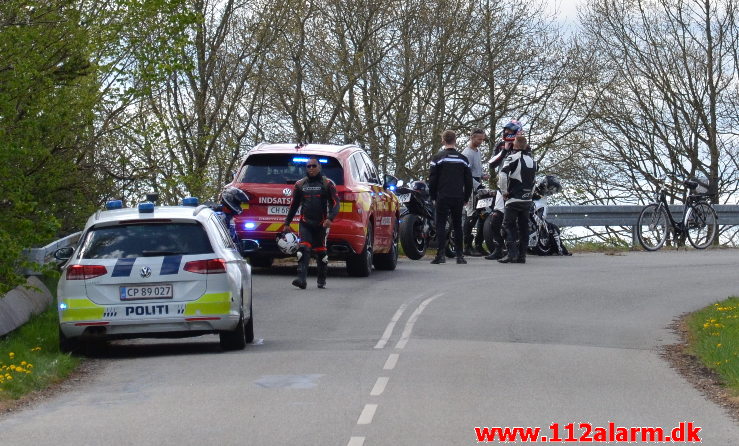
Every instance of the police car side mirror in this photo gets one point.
(64, 254)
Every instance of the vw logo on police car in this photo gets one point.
(145, 272)
(287, 192)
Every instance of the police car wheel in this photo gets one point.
(249, 329)
(236, 338)
(68, 345)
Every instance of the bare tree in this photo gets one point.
(670, 72)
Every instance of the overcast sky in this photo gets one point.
(567, 9)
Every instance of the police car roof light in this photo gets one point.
(146, 207)
(190, 201)
(300, 159)
(113, 204)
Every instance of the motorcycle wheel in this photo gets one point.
(487, 233)
(545, 243)
(412, 238)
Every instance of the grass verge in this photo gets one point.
(713, 337)
(607, 247)
(30, 359)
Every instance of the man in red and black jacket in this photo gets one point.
(316, 196)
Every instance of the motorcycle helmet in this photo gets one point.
(549, 185)
(421, 187)
(232, 198)
(287, 242)
(511, 130)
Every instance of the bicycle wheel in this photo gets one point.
(701, 224)
(652, 227)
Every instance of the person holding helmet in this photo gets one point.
(504, 148)
(315, 194)
(516, 183)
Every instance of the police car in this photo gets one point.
(154, 271)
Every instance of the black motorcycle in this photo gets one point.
(417, 223)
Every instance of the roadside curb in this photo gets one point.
(20, 303)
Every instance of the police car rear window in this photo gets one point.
(145, 240)
(285, 168)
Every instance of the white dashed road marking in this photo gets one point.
(367, 414)
(379, 386)
(412, 321)
(391, 326)
(356, 441)
(392, 360)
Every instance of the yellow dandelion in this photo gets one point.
(12, 355)
(30, 366)
(9, 377)
(13, 367)
(718, 345)
(24, 363)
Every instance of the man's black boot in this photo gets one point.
(512, 255)
(461, 260)
(303, 260)
(439, 259)
(322, 262)
(496, 254)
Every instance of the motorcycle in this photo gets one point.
(417, 221)
(544, 237)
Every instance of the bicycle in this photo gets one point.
(699, 222)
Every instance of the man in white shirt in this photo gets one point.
(472, 217)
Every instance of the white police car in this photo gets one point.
(154, 271)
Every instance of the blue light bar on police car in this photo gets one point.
(114, 204)
(190, 201)
(304, 159)
(146, 207)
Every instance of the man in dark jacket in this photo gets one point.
(516, 183)
(450, 186)
(316, 196)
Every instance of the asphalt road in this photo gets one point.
(418, 356)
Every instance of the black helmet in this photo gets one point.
(421, 188)
(232, 198)
(549, 185)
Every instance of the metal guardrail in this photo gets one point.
(624, 215)
(45, 255)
